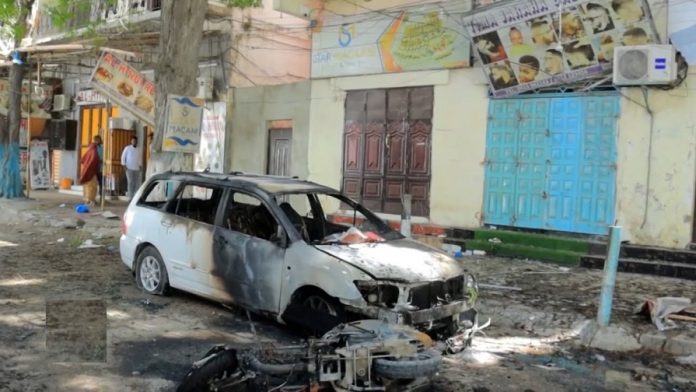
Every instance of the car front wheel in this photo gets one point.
(150, 272)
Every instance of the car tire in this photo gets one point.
(151, 273)
(323, 304)
(425, 364)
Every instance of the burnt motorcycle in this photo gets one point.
(367, 355)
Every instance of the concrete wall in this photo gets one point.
(252, 110)
(458, 140)
(667, 178)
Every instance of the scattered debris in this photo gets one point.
(680, 317)
(495, 240)
(59, 240)
(479, 252)
(660, 310)
(82, 208)
(89, 244)
(688, 360)
(109, 215)
(498, 287)
(600, 357)
(62, 205)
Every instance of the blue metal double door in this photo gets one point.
(551, 163)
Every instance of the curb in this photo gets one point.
(622, 338)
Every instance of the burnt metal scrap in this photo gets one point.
(368, 355)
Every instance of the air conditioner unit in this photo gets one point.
(120, 123)
(205, 88)
(644, 64)
(61, 103)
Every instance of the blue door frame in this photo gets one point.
(551, 163)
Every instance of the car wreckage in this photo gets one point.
(367, 355)
(270, 245)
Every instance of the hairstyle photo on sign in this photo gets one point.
(571, 26)
(635, 36)
(553, 62)
(501, 75)
(490, 48)
(628, 11)
(604, 47)
(598, 17)
(579, 55)
(528, 69)
(519, 44)
(542, 31)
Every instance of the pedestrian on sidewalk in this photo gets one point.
(130, 159)
(90, 168)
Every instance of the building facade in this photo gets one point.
(575, 158)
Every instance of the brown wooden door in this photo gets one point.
(279, 152)
(387, 146)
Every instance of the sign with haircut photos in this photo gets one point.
(526, 45)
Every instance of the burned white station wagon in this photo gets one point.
(266, 244)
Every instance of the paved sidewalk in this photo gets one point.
(51, 208)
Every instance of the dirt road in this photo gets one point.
(71, 319)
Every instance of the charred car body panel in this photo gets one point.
(235, 239)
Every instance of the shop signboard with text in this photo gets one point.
(532, 44)
(410, 39)
(182, 127)
(126, 86)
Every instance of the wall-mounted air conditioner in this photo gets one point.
(205, 88)
(61, 103)
(120, 123)
(644, 65)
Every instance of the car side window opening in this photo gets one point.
(158, 193)
(197, 202)
(246, 214)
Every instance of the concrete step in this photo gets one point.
(558, 256)
(660, 254)
(646, 267)
(540, 240)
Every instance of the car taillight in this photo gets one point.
(124, 224)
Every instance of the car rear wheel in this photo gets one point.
(151, 273)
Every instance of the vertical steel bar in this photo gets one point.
(610, 266)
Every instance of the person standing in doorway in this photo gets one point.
(130, 160)
(88, 175)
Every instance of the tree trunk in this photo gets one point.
(176, 72)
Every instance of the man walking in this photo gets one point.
(130, 159)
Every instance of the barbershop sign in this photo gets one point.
(531, 44)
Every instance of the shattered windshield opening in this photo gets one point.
(325, 218)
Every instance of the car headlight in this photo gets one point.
(378, 293)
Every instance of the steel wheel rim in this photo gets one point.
(150, 273)
(318, 303)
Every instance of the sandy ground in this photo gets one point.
(72, 320)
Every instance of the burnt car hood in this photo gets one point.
(401, 260)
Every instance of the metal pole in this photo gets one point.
(611, 264)
(406, 215)
(28, 170)
(105, 150)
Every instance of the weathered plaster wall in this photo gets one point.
(458, 141)
(253, 108)
(672, 167)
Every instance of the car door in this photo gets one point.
(249, 252)
(189, 226)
